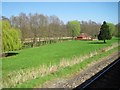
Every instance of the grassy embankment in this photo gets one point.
(36, 65)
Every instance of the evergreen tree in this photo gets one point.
(104, 33)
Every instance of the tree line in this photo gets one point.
(39, 27)
(43, 26)
(90, 27)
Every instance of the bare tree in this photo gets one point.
(90, 27)
(39, 27)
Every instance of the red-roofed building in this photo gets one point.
(83, 36)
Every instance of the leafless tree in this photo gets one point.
(39, 27)
(92, 28)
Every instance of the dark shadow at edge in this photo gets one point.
(80, 87)
(96, 43)
(8, 54)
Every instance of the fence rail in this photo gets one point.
(28, 40)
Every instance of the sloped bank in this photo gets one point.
(64, 69)
(78, 78)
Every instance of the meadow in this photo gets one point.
(32, 63)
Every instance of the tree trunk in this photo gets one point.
(104, 41)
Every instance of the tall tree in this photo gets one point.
(104, 33)
(22, 22)
(74, 27)
(112, 28)
(10, 37)
(117, 32)
(38, 27)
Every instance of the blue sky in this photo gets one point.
(60, 0)
(66, 11)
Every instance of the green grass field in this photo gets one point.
(49, 55)
(63, 73)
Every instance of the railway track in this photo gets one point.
(109, 77)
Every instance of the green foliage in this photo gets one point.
(5, 25)
(117, 33)
(104, 32)
(74, 27)
(63, 73)
(112, 28)
(51, 53)
(10, 37)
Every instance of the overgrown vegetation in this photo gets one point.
(10, 37)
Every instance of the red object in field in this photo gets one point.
(83, 36)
